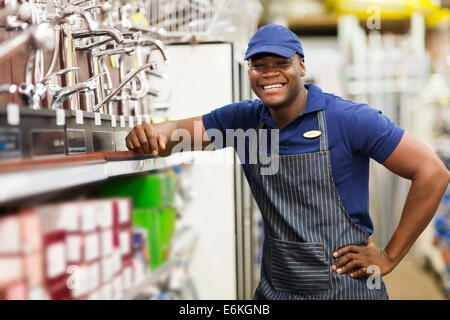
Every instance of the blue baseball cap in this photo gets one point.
(274, 38)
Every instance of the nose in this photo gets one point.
(270, 72)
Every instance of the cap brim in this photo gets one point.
(275, 49)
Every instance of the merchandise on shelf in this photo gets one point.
(153, 215)
(71, 250)
(147, 191)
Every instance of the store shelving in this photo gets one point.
(18, 183)
(122, 167)
(150, 280)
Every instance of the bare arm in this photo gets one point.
(429, 179)
(161, 138)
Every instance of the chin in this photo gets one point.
(274, 104)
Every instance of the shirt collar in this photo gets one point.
(315, 102)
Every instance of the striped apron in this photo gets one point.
(304, 223)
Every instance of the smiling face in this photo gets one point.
(276, 80)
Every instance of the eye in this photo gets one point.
(257, 66)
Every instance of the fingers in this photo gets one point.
(349, 266)
(143, 139)
(151, 137)
(162, 140)
(128, 143)
(343, 261)
(137, 145)
(347, 249)
(360, 273)
(141, 135)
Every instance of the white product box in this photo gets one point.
(88, 217)
(124, 211)
(11, 269)
(91, 247)
(107, 265)
(74, 248)
(107, 242)
(125, 242)
(117, 261)
(105, 213)
(127, 277)
(55, 255)
(107, 291)
(117, 287)
(10, 235)
(78, 280)
(93, 276)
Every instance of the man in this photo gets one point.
(315, 205)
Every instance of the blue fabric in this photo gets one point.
(275, 39)
(356, 133)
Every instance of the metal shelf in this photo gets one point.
(117, 168)
(150, 280)
(25, 183)
(20, 184)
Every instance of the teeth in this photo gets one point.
(273, 86)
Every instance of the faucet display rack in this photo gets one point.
(101, 90)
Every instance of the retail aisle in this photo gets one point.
(409, 281)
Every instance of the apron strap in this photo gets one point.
(321, 119)
(322, 122)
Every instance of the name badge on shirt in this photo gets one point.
(312, 134)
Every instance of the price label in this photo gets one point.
(60, 117)
(113, 121)
(122, 121)
(13, 114)
(131, 122)
(139, 119)
(79, 117)
(98, 120)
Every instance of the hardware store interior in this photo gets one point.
(83, 217)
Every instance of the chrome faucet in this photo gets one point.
(58, 73)
(127, 79)
(8, 88)
(31, 94)
(150, 42)
(62, 94)
(112, 52)
(109, 31)
(71, 10)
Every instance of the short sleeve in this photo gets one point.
(373, 134)
(240, 115)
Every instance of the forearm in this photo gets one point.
(424, 196)
(182, 135)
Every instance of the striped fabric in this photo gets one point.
(304, 223)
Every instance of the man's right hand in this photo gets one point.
(146, 140)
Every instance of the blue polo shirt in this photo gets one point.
(356, 133)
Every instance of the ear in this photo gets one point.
(302, 66)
